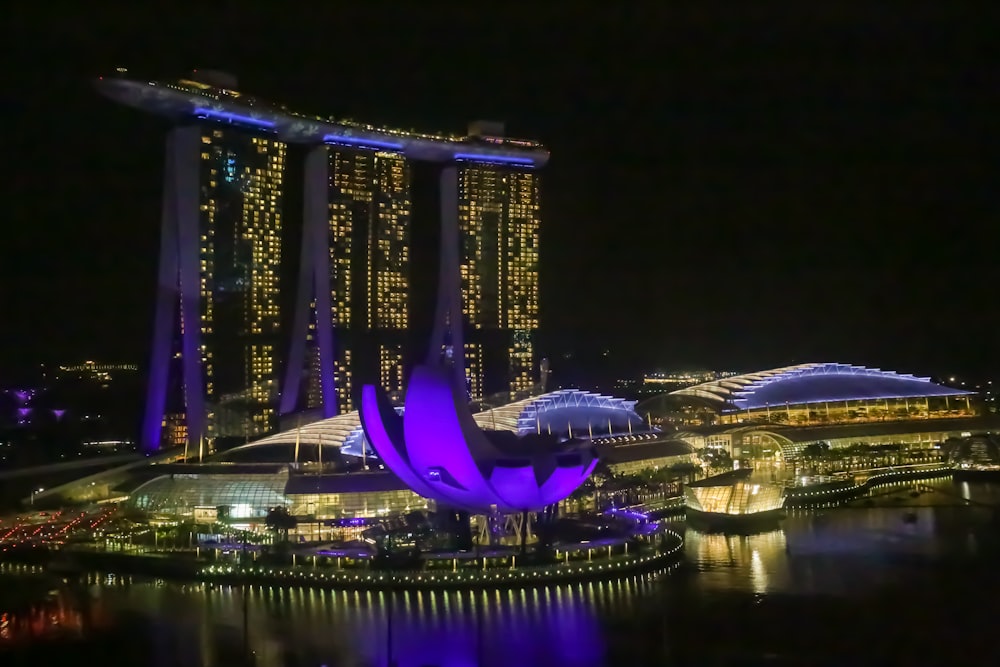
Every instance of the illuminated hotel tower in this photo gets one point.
(220, 260)
(498, 224)
(354, 281)
(218, 313)
(221, 254)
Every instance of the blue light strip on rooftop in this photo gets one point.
(740, 404)
(361, 142)
(502, 159)
(229, 117)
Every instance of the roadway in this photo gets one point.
(51, 529)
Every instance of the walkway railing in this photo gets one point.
(490, 578)
(803, 497)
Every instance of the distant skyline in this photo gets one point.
(727, 189)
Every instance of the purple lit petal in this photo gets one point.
(390, 450)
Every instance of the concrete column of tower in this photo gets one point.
(166, 306)
(186, 158)
(448, 320)
(317, 211)
(178, 285)
(313, 285)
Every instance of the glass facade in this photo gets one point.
(738, 498)
(369, 260)
(236, 496)
(240, 228)
(361, 504)
(499, 218)
(249, 497)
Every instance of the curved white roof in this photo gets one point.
(345, 431)
(523, 416)
(814, 383)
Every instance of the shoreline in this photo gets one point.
(81, 563)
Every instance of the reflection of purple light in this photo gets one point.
(22, 396)
(230, 117)
(352, 522)
(343, 553)
(58, 413)
(361, 141)
(437, 449)
(560, 625)
(628, 514)
(356, 521)
(647, 528)
(502, 159)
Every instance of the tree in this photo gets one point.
(280, 521)
(816, 451)
(716, 459)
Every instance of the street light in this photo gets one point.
(36, 491)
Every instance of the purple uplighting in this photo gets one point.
(58, 413)
(437, 449)
(22, 395)
(627, 514)
(352, 522)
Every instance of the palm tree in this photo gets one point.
(717, 459)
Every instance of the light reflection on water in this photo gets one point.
(203, 625)
(838, 552)
(849, 550)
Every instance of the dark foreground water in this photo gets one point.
(834, 587)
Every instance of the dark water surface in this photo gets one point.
(855, 585)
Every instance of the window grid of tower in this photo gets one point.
(388, 301)
(351, 193)
(314, 389)
(369, 261)
(499, 217)
(391, 370)
(480, 218)
(474, 370)
(343, 379)
(239, 275)
(521, 288)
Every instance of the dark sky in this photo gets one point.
(729, 186)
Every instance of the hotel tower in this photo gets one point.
(353, 317)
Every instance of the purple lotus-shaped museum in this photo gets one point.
(440, 452)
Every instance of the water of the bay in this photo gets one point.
(904, 579)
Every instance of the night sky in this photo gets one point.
(729, 188)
